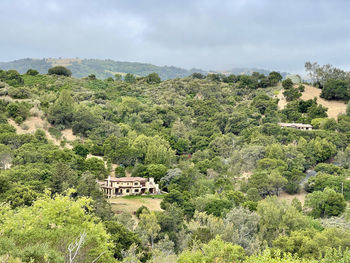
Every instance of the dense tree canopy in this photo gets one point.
(235, 186)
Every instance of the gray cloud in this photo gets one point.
(207, 34)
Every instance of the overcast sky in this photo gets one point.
(270, 34)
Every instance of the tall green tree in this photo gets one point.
(61, 112)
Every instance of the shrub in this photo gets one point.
(335, 89)
(153, 78)
(11, 77)
(287, 83)
(141, 210)
(119, 171)
(60, 70)
(197, 75)
(32, 72)
(301, 88)
(55, 132)
(19, 92)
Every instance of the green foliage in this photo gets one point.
(287, 84)
(140, 210)
(96, 166)
(60, 70)
(274, 77)
(81, 150)
(215, 251)
(153, 78)
(16, 110)
(11, 77)
(201, 138)
(314, 244)
(54, 223)
(326, 203)
(156, 171)
(122, 239)
(19, 92)
(197, 75)
(61, 112)
(278, 217)
(32, 72)
(218, 207)
(129, 78)
(291, 94)
(335, 89)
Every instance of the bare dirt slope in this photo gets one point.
(33, 123)
(334, 107)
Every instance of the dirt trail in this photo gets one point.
(334, 107)
(282, 101)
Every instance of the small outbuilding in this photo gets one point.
(299, 126)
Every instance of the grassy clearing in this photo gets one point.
(130, 205)
(335, 107)
(287, 197)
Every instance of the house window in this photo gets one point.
(136, 183)
(127, 190)
(136, 190)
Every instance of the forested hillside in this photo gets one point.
(213, 144)
(100, 68)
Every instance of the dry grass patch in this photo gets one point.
(63, 61)
(334, 107)
(131, 204)
(287, 197)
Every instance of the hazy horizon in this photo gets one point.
(210, 35)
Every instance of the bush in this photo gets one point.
(301, 88)
(60, 70)
(32, 72)
(92, 77)
(18, 110)
(287, 83)
(197, 75)
(55, 132)
(18, 119)
(336, 90)
(130, 78)
(19, 92)
(119, 171)
(11, 77)
(153, 78)
(140, 210)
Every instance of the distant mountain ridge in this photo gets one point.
(101, 68)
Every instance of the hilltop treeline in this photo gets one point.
(100, 68)
(213, 144)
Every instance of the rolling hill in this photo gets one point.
(101, 68)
